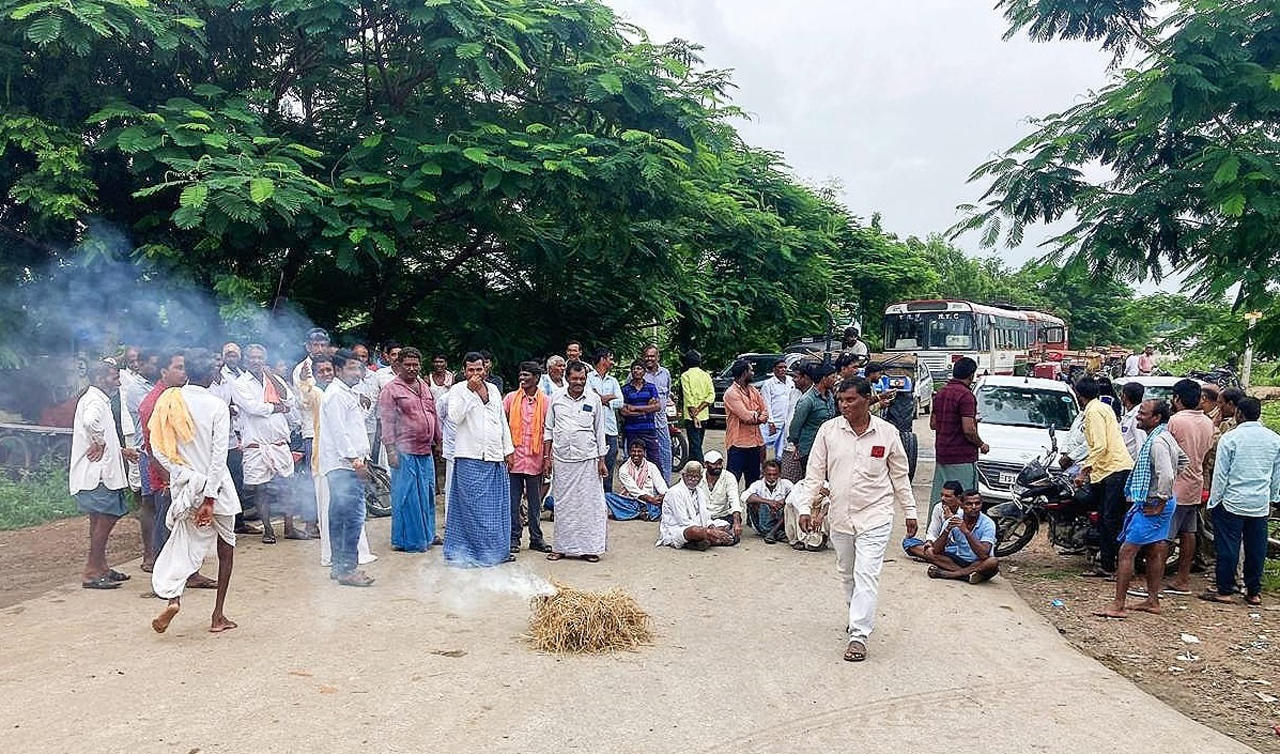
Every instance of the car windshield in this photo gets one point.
(1016, 405)
(1157, 392)
(761, 366)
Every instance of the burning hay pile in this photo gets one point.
(573, 620)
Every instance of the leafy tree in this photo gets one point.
(1186, 138)
(507, 173)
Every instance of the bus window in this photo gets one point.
(925, 331)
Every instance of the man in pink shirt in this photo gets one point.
(1194, 432)
(410, 434)
(526, 410)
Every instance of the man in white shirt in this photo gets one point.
(575, 453)
(343, 450)
(1134, 435)
(862, 460)
(765, 500)
(686, 521)
(264, 401)
(204, 502)
(722, 493)
(777, 392)
(478, 518)
(97, 475)
(1131, 368)
(606, 386)
(641, 487)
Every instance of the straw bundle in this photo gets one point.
(573, 620)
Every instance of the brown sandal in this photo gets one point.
(856, 652)
(554, 556)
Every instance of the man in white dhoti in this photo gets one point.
(686, 518)
(264, 400)
(575, 446)
(189, 430)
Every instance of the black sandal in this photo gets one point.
(116, 576)
(591, 558)
(102, 582)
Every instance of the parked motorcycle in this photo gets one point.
(1222, 376)
(1042, 492)
(377, 492)
(679, 446)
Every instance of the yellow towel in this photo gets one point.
(171, 424)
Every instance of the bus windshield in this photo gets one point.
(923, 331)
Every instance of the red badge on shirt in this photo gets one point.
(877, 451)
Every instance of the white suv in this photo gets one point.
(1014, 416)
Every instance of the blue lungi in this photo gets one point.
(413, 503)
(477, 531)
(627, 508)
(1141, 529)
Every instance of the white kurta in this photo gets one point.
(94, 424)
(264, 433)
(203, 473)
(682, 508)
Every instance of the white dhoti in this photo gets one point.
(187, 547)
(264, 462)
(363, 555)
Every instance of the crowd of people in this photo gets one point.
(211, 442)
(216, 445)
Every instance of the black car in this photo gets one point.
(761, 367)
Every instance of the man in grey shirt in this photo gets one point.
(1150, 492)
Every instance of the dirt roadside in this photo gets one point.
(1216, 664)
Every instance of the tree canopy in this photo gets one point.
(1172, 167)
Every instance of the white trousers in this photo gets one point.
(363, 556)
(859, 558)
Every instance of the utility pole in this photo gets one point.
(1252, 318)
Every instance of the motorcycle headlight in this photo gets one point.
(1017, 490)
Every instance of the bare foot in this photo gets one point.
(1111, 612)
(1148, 607)
(221, 623)
(162, 621)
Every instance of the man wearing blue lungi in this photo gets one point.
(478, 524)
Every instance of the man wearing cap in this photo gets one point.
(304, 382)
(697, 394)
(722, 494)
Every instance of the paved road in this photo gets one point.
(747, 659)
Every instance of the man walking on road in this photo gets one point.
(861, 459)
(955, 420)
(189, 436)
(1246, 484)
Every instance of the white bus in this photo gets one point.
(940, 332)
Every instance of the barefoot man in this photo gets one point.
(189, 431)
(1150, 493)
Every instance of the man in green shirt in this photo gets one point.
(697, 394)
(814, 408)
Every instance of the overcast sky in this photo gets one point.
(899, 101)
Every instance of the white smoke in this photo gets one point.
(466, 589)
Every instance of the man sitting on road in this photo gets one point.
(765, 499)
(686, 522)
(922, 549)
(722, 493)
(641, 484)
(970, 541)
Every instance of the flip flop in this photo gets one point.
(856, 652)
(591, 558)
(203, 582)
(356, 579)
(115, 575)
(102, 582)
(1216, 598)
(1253, 599)
(554, 556)
(269, 539)
(295, 534)
(1179, 592)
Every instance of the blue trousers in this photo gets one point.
(626, 508)
(1230, 531)
(346, 519)
(413, 503)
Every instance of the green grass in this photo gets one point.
(35, 497)
(1271, 414)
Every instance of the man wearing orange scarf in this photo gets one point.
(527, 416)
